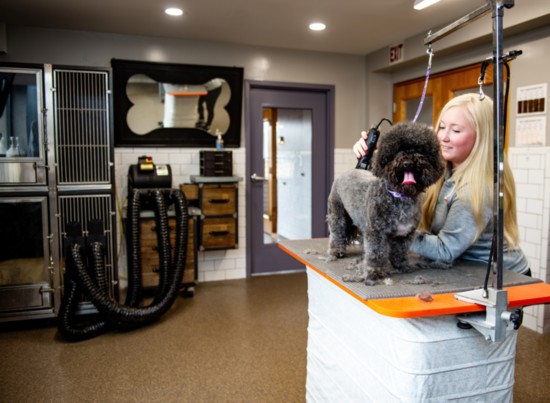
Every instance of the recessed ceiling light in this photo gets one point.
(174, 11)
(317, 26)
(422, 4)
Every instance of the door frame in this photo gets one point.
(328, 152)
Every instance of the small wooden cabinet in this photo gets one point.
(217, 198)
(149, 249)
(150, 257)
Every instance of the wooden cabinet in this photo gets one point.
(150, 257)
(217, 198)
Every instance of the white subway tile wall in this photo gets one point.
(531, 167)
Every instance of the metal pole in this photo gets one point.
(449, 29)
(492, 325)
(498, 157)
(497, 7)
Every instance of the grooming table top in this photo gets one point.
(399, 299)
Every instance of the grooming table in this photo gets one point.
(383, 343)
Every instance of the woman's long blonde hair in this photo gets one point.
(476, 173)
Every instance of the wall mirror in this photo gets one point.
(176, 105)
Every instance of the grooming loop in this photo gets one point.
(481, 79)
(481, 83)
(428, 70)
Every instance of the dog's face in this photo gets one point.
(409, 158)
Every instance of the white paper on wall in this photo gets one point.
(531, 131)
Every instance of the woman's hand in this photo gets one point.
(360, 148)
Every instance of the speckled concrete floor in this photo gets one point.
(234, 341)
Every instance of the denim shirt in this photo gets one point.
(453, 234)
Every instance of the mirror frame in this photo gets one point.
(175, 74)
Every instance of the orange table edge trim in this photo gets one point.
(442, 304)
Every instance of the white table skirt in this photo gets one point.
(357, 355)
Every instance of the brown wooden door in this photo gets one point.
(441, 88)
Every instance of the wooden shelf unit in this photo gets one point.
(217, 198)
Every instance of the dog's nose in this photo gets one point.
(407, 165)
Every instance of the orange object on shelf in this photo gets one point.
(187, 93)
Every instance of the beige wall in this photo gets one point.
(345, 72)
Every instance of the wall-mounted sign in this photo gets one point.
(397, 53)
(531, 131)
(532, 99)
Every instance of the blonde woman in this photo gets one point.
(457, 218)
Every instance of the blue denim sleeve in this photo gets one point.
(456, 232)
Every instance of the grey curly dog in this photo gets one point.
(385, 206)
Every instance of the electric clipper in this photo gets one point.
(372, 138)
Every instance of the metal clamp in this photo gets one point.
(493, 322)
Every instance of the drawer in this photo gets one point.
(149, 252)
(218, 233)
(216, 163)
(148, 229)
(216, 170)
(218, 200)
(150, 256)
(149, 246)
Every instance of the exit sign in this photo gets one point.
(397, 53)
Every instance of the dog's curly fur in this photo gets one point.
(385, 207)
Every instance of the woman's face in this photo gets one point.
(456, 135)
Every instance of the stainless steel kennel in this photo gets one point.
(56, 167)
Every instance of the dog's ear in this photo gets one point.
(389, 145)
(376, 168)
(380, 157)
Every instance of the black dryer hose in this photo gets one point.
(114, 315)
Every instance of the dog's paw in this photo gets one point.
(376, 274)
(380, 281)
(404, 268)
(336, 253)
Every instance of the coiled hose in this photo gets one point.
(90, 278)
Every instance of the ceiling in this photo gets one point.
(353, 26)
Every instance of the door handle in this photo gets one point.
(256, 178)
